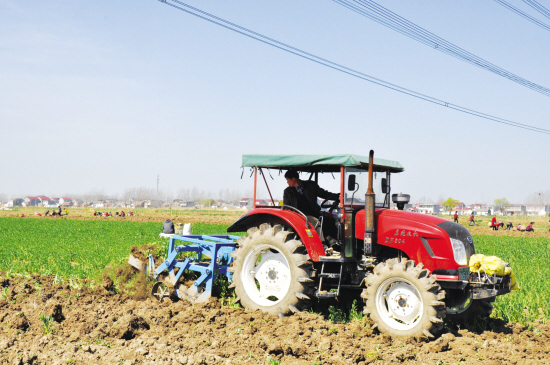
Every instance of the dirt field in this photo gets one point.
(100, 327)
(216, 216)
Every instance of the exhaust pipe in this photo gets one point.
(369, 211)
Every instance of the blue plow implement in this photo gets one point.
(211, 256)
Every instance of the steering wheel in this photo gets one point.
(330, 207)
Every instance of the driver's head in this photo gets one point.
(292, 178)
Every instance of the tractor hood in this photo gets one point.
(416, 217)
(389, 214)
(423, 238)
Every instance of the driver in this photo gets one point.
(302, 195)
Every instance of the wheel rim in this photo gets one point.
(399, 304)
(160, 291)
(266, 279)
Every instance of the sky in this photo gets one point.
(108, 95)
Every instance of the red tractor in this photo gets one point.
(412, 268)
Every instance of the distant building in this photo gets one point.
(66, 202)
(31, 201)
(535, 210)
(50, 202)
(246, 202)
(16, 202)
(274, 202)
(152, 203)
(261, 202)
(515, 209)
(428, 208)
(184, 204)
(43, 199)
(78, 203)
(480, 209)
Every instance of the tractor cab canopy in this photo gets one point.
(320, 163)
(346, 165)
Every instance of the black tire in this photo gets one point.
(404, 300)
(283, 284)
(470, 310)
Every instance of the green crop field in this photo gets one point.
(83, 249)
(529, 258)
(76, 248)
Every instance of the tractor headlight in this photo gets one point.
(459, 251)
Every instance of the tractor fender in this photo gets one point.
(255, 217)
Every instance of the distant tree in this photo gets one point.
(140, 193)
(194, 194)
(425, 200)
(539, 198)
(236, 195)
(95, 195)
(183, 194)
(501, 204)
(207, 202)
(449, 204)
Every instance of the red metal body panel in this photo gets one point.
(313, 243)
(402, 230)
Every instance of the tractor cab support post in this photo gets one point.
(255, 184)
(369, 211)
(267, 186)
(342, 191)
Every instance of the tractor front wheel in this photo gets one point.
(404, 300)
(271, 273)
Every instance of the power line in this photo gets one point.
(538, 7)
(380, 14)
(322, 61)
(523, 14)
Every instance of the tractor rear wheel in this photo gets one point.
(404, 300)
(271, 272)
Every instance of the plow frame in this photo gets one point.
(217, 248)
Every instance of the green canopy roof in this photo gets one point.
(324, 163)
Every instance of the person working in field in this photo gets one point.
(302, 195)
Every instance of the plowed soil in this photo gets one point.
(101, 327)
